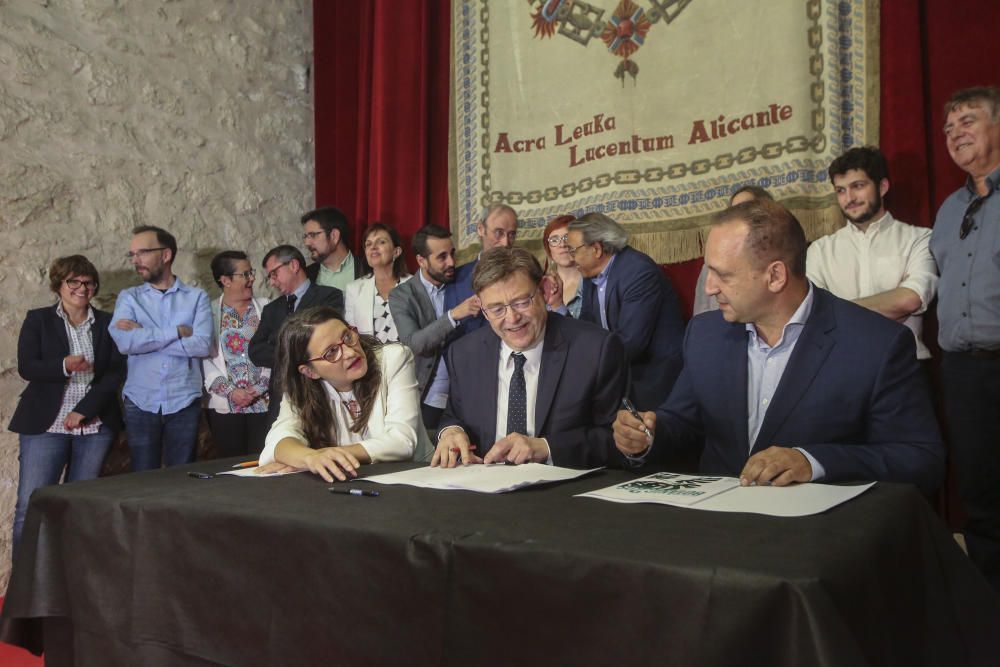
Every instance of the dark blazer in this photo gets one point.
(852, 395)
(312, 271)
(419, 328)
(643, 310)
(460, 290)
(581, 381)
(41, 348)
(264, 342)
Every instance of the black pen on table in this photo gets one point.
(627, 404)
(354, 492)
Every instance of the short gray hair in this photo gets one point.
(498, 264)
(599, 228)
(979, 96)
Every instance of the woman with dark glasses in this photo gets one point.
(68, 416)
(347, 399)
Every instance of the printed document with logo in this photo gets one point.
(724, 494)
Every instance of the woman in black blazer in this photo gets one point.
(69, 413)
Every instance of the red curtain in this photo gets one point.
(381, 110)
(381, 105)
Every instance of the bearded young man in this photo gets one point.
(162, 325)
(875, 260)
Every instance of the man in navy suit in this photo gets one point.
(534, 386)
(285, 268)
(627, 293)
(786, 382)
(498, 228)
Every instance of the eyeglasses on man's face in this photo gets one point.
(309, 236)
(336, 351)
(555, 241)
(142, 252)
(499, 310)
(573, 250)
(246, 275)
(73, 283)
(273, 273)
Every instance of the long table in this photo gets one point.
(161, 568)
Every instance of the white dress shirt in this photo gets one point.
(853, 264)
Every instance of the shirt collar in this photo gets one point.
(602, 277)
(301, 289)
(532, 355)
(992, 181)
(340, 267)
(62, 313)
(428, 285)
(798, 318)
(876, 226)
(176, 287)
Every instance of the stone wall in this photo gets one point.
(194, 115)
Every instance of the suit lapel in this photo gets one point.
(367, 302)
(424, 303)
(811, 350)
(308, 297)
(553, 360)
(60, 327)
(735, 356)
(611, 300)
(488, 386)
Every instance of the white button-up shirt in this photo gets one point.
(853, 264)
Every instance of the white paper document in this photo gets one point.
(724, 494)
(252, 472)
(478, 477)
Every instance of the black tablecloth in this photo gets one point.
(160, 568)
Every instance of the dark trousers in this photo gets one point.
(972, 406)
(238, 434)
(155, 438)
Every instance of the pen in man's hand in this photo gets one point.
(627, 404)
(247, 464)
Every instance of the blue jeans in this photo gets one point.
(153, 436)
(43, 457)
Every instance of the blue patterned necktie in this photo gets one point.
(517, 398)
(290, 302)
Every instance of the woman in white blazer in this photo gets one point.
(366, 300)
(347, 399)
(237, 389)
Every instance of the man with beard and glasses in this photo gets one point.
(162, 325)
(423, 322)
(876, 261)
(327, 237)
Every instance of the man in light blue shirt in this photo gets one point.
(165, 327)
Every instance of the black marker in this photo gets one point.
(200, 475)
(354, 492)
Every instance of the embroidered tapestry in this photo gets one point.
(654, 111)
